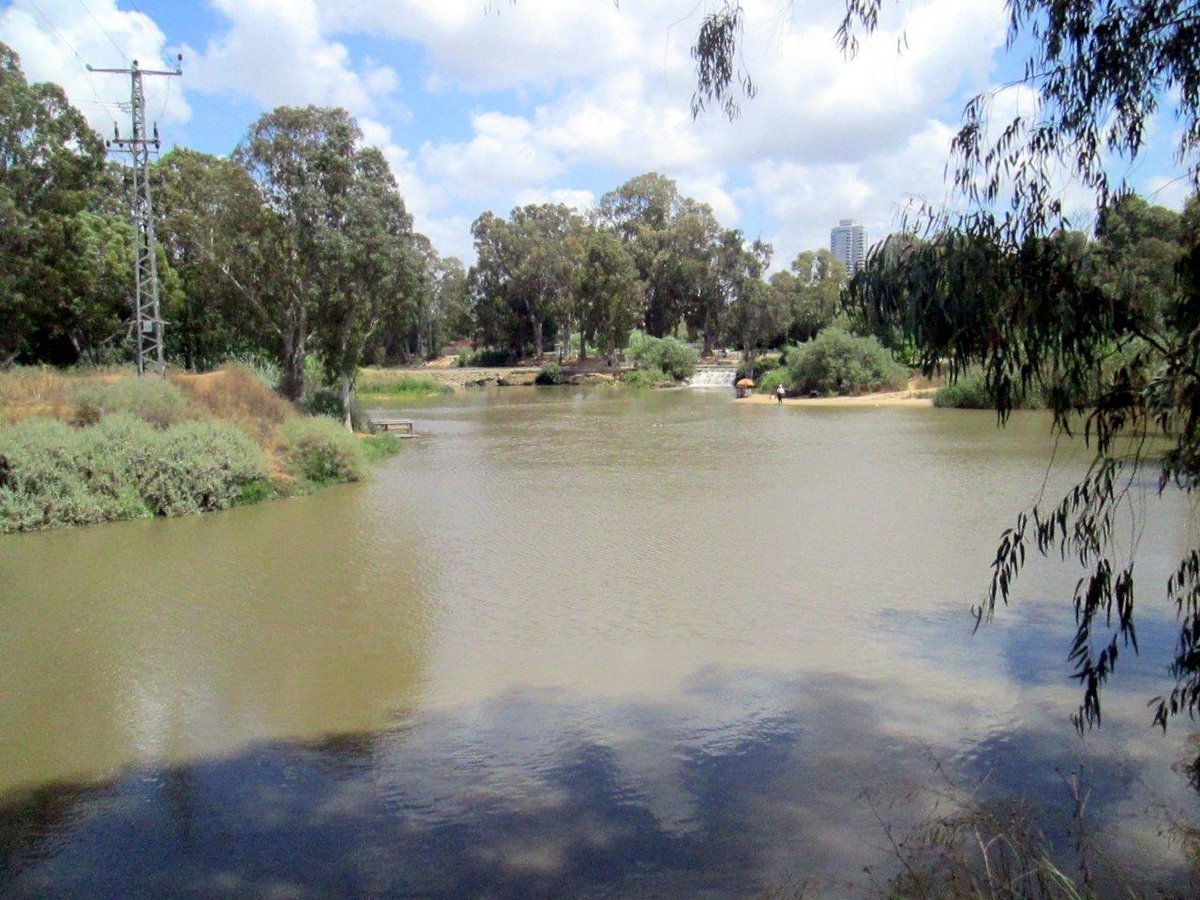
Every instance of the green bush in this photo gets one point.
(120, 468)
(486, 358)
(150, 398)
(404, 386)
(836, 362)
(326, 402)
(969, 391)
(762, 366)
(668, 356)
(380, 446)
(319, 450)
(645, 378)
(552, 373)
(200, 466)
(773, 379)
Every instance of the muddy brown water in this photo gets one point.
(573, 642)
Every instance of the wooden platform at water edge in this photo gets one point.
(399, 427)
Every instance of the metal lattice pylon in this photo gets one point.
(147, 312)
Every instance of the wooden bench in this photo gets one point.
(399, 427)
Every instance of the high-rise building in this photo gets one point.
(848, 243)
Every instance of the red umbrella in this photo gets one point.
(746, 382)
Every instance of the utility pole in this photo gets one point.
(147, 318)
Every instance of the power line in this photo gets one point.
(100, 25)
(82, 65)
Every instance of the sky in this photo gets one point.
(490, 104)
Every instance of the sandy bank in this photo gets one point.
(922, 397)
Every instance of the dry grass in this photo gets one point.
(233, 394)
(27, 391)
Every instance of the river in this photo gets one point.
(576, 642)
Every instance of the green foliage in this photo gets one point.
(646, 378)
(403, 386)
(51, 170)
(773, 379)
(970, 391)
(320, 451)
(552, 373)
(486, 358)
(200, 466)
(380, 446)
(150, 398)
(762, 365)
(120, 468)
(835, 362)
(668, 356)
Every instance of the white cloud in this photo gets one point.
(1169, 191)
(503, 156)
(579, 200)
(57, 39)
(275, 52)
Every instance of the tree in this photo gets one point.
(756, 311)
(641, 212)
(693, 250)
(209, 212)
(375, 262)
(813, 289)
(303, 163)
(529, 263)
(51, 164)
(609, 291)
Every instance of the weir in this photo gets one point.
(714, 377)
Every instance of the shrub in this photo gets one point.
(151, 398)
(41, 485)
(486, 358)
(645, 378)
(762, 366)
(969, 391)
(380, 446)
(773, 379)
(320, 451)
(552, 373)
(200, 466)
(668, 356)
(377, 382)
(120, 468)
(835, 362)
(966, 392)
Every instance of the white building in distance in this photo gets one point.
(848, 244)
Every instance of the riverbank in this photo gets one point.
(919, 397)
(80, 448)
(460, 378)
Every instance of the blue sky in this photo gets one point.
(487, 104)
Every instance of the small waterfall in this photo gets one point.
(714, 377)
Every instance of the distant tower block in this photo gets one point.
(848, 244)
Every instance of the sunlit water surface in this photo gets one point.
(574, 643)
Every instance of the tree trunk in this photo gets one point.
(347, 392)
(537, 337)
(292, 336)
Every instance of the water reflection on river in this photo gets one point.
(570, 642)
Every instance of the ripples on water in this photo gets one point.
(569, 643)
